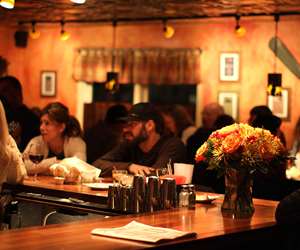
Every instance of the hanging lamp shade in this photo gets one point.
(64, 35)
(168, 30)
(78, 1)
(239, 30)
(34, 34)
(9, 4)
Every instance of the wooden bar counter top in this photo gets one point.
(213, 231)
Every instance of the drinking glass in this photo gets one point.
(35, 154)
(117, 175)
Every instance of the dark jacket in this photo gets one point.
(125, 154)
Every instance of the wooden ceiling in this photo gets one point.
(135, 10)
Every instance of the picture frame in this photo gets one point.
(229, 67)
(280, 105)
(48, 83)
(229, 101)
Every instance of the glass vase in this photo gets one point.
(238, 194)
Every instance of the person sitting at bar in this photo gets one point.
(262, 116)
(12, 168)
(178, 122)
(145, 147)
(60, 138)
(20, 117)
(287, 216)
(106, 133)
(209, 115)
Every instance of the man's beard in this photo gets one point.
(141, 137)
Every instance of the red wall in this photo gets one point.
(211, 35)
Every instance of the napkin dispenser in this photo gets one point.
(152, 194)
(138, 194)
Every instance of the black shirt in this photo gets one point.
(125, 154)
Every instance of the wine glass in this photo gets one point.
(35, 154)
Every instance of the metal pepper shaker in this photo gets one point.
(192, 196)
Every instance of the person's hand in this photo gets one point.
(139, 169)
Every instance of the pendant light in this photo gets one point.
(168, 30)
(239, 30)
(112, 84)
(8, 4)
(64, 35)
(275, 79)
(34, 34)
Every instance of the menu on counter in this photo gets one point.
(142, 232)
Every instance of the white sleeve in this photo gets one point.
(75, 147)
(16, 170)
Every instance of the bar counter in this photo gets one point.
(213, 231)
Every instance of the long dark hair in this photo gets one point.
(60, 113)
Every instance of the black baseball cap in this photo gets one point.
(145, 111)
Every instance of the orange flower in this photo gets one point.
(200, 152)
(231, 143)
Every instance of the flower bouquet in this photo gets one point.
(238, 151)
(241, 146)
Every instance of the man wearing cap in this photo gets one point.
(145, 147)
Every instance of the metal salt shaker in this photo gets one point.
(152, 194)
(191, 196)
(184, 196)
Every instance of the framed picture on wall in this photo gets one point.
(280, 104)
(229, 67)
(229, 100)
(48, 83)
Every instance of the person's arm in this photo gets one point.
(16, 170)
(117, 158)
(173, 149)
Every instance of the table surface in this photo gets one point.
(206, 220)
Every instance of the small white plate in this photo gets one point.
(98, 185)
(206, 199)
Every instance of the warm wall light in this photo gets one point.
(64, 35)
(239, 30)
(9, 4)
(78, 1)
(34, 34)
(169, 31)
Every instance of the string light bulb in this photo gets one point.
(34, 34)
(239, 30)
(78, 1)
(8, 4)
(169, 31)
(64, 35)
